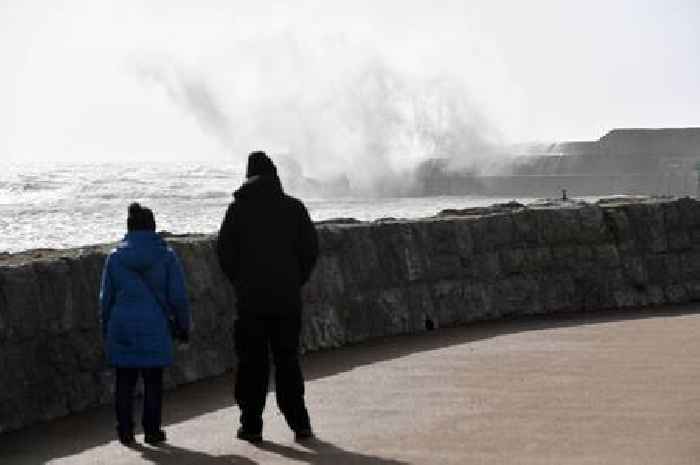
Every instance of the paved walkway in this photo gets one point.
(600, 389)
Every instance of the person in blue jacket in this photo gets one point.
(144, 304)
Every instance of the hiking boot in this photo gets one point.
(248, 435)
(155, 437)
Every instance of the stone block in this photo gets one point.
(689, 210)
(676, 294)
(326, 283)
(518, 295)
(672, 216)
(618, 224)
(392, 309)
(442, 255)
(557, 292)
(679, 241)
(559, 226)
(607, 255)
(657, 269)
(400, 257)
(655, 295)
(690, 265)
(674, 267)
(475, 302)
(635, 271)
(323, 329)
(23, 312)
(82, 393)
(588, 293)
(693, 289)
(500, 230)
(626, 298)
(647, 220)
(412, 252)
(585, 253)
(593, 228)
(4, 329)
(526, 227)
(611, 282)
(538, 259)
(449, 300)
(420, 307)
(492, 232)
(463, 238)
(488, 266)
(564, 257)
(83, 299)
(628, 247)
(360, 259)
(512, 261)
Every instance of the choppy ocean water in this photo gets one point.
(68, 205)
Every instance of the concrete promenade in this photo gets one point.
(621, 388)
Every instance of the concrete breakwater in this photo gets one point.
(630, 161)
(373, 279)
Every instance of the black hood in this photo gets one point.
(260, 187)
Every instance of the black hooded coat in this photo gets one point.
(267, 244)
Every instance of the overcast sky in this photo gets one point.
(172, 79)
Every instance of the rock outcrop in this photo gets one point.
(373, 279)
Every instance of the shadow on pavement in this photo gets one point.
(167, 454)
(330, 362)
(75, 433)
(322, 453)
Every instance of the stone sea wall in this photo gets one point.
(373, 279)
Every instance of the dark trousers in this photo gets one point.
(258, 331)
(152, 399)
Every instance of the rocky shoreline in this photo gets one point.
(373, 279)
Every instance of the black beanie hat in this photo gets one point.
(140, 218)
(259, 164)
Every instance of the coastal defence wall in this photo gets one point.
(373, 279)
(670, 183)
(623, 161)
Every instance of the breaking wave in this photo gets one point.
(59, 206)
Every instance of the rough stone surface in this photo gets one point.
(373, 279)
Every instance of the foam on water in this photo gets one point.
(67, 205)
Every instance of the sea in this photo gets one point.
(62, 205)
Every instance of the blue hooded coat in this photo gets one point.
(135, 328)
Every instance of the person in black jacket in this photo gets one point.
(267, 247)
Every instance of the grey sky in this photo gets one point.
(155, 79)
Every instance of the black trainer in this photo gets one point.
(248, 435)
(155, 437)
(303, 434)
(127, 438)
